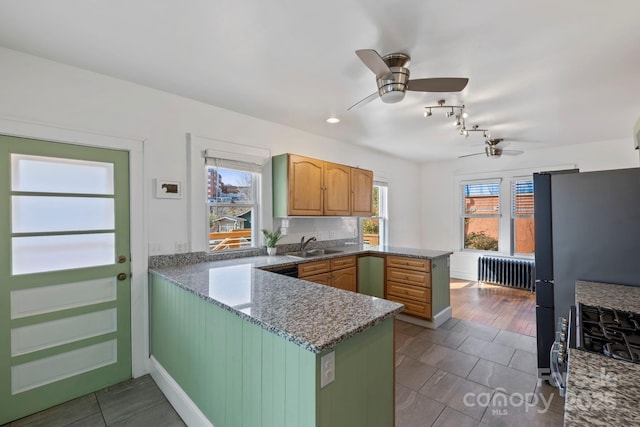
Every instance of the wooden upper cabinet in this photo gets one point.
(305, 178)
(337, 180)
(361, 192)
(303, 186)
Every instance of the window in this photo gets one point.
(481, 215)
(522, 226)
(374, 229)
(231, 204)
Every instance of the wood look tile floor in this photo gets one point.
(505, 308)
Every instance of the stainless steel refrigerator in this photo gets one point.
(587, 227)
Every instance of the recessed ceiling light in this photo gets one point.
(333, 120)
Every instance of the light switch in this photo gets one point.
(327, 369)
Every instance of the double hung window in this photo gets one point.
(481, 215)
(232, 202)
(522, 226)
(374, 228)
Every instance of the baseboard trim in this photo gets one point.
(437, 320)
(184, 406)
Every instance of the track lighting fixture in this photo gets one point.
(442, 104)
(476, 128)
(460, 118)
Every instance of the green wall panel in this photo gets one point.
(362, 393)
(239, 374)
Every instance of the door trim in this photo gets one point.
(138, 193)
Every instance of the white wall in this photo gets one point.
(38, 90)
(440, 211)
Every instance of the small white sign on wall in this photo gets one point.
(168, 189)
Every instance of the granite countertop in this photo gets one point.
(314, 316)
(602, 391)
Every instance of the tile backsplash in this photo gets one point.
(325, 228)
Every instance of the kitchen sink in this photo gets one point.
(310, 253)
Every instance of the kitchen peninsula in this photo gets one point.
(251, 347)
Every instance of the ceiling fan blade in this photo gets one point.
(438, 84)
(374, 61)
(512, 152)
(364, 101)
(471, 155)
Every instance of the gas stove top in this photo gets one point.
(613, 333)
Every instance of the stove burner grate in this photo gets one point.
(610, 332)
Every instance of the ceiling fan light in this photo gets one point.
(392, 97)
(428, 113)
(465, 115)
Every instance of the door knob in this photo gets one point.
(122, 276)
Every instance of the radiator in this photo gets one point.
(517, 273)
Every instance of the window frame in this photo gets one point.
(464, 215)
(254, 206)
(514, 215)
(382, 217)
(199, 148)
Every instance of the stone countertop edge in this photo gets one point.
(184, 275)
(319, 347)
(618, 297)
(602, 391)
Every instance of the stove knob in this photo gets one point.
(561, 353)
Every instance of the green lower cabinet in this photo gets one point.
(440, 285)
(371, 276)
(239, 374)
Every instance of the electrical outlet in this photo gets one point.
(327, 369)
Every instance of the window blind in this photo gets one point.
(480, 197)
(522, 197)
(236, 161)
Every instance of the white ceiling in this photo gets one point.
(543, 72)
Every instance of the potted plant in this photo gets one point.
(271, 238)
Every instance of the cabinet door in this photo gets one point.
(337, 179)
(344, 279)
(305, 186)
(371, 276)
(323, 278)
(361, 192)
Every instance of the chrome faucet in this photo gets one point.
(304, 244)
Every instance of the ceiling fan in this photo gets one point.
(392, 76)
(491, 149)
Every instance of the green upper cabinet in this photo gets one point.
(304, 186)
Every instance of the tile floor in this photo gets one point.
(133, 403)
(461, 374)
(469, 374)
